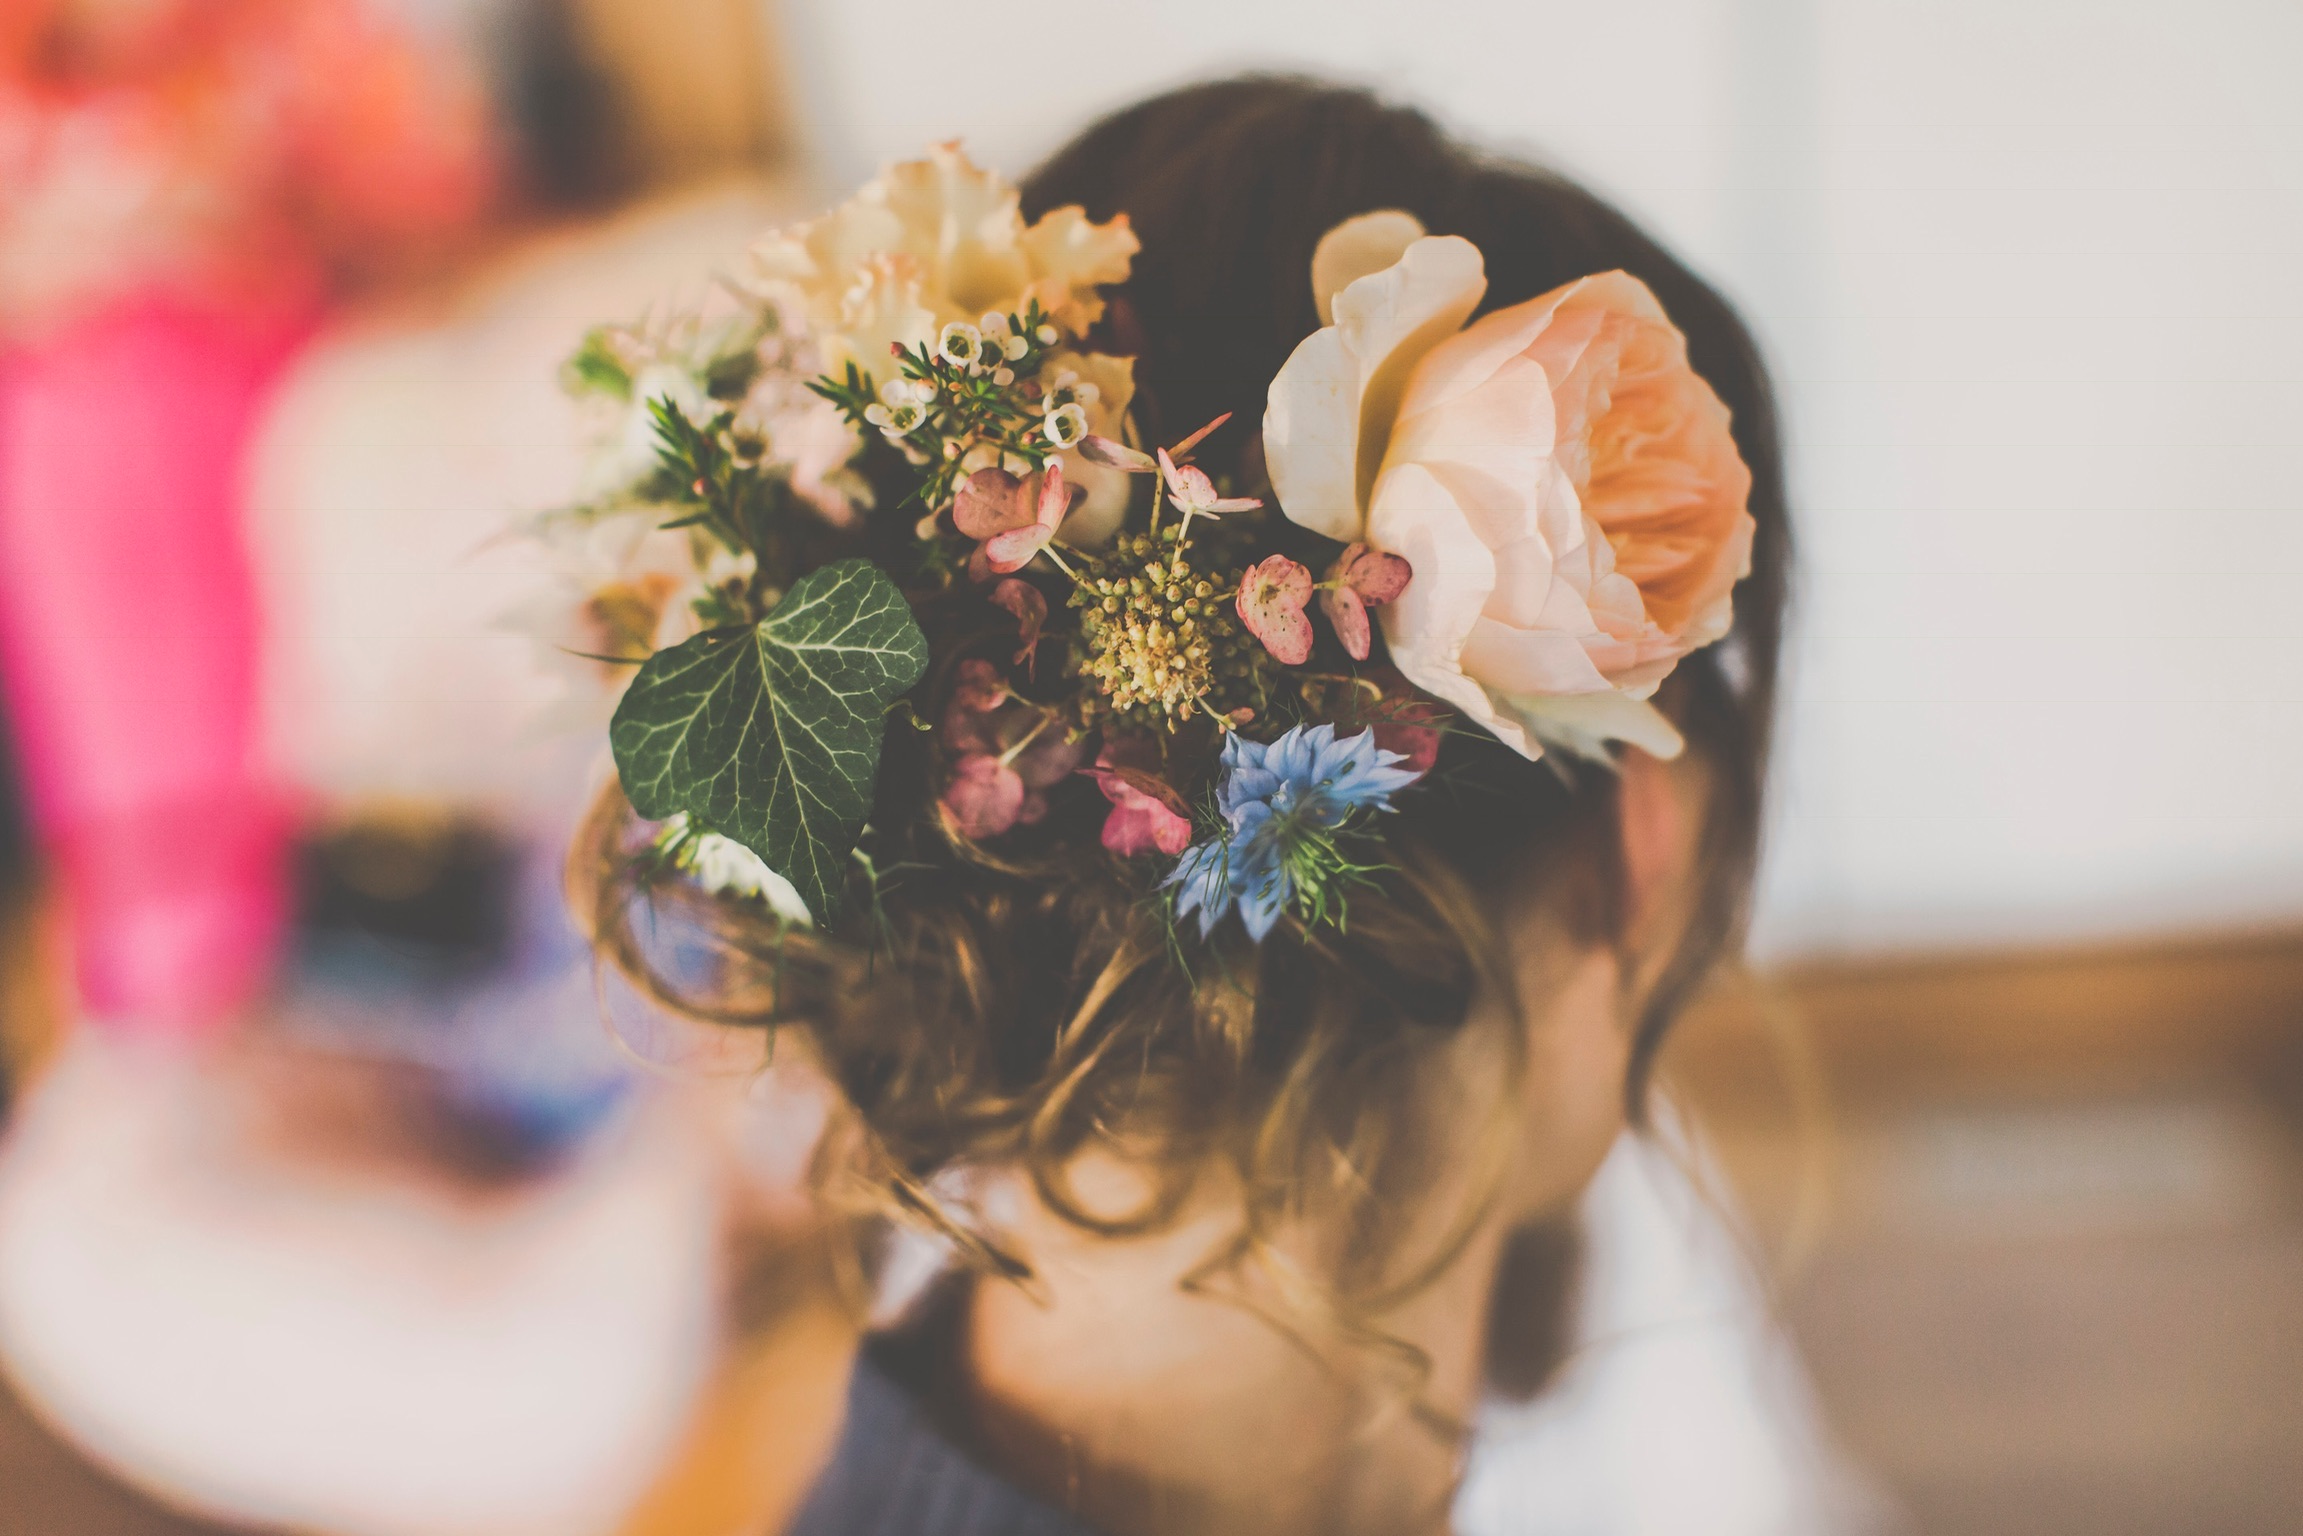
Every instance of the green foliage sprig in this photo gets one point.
(766, 727)
(977, 388)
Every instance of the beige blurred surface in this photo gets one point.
(2039, 1224)
(2040, 1234)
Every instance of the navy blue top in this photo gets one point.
(894, 1473)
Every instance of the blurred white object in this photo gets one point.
(1682, 1408)
(305, 1344)
(402, 451)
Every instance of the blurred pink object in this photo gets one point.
(204, 146)
(129, 649)
(182, 182)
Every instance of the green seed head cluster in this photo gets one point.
(1162, 641)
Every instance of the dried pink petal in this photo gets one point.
(1030, 607)
(985, 797)
(1272, 596)
(1360, 576)
(1411, 727)
(1182, 450)
(1376, 576)
(1145, 817)
(1013, 550)
(979, 685)
(1187, 483)
(1349, 616)
(991, 502)
(1113, 454)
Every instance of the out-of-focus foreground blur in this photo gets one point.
(2012, 1100)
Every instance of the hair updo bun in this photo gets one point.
(1019, 1000)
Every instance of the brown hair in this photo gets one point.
(1022, 1003)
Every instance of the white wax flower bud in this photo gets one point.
(1013, 347)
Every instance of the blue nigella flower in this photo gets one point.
(1279, 802)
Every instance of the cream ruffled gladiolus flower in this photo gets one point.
(939, 241)
(1562, 482)
(934, 242)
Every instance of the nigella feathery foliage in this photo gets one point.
(1292, 809)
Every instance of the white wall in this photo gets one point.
(2032, 277)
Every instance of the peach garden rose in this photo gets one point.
(1562, 482)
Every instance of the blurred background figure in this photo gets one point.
(322, 1166)
(2010, 1104)
(184, 185)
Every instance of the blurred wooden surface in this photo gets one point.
(2037, 1221)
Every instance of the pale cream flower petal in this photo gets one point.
(1071, 257)
(883, 309)
(1330, 411)
(1511, 662)
(1356, 248)
(1311, 436)
(1108, 489)
(1426, 626)
(1584, 723)
(958, 230)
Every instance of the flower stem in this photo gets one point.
(1030, 736)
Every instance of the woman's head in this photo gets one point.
(1021, 1001)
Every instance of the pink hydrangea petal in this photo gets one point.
(991, 501)
(1013, 550)
(1188, 444)
(1055, 500)
(1271, 602)
(1418, 743)
(1170, 474)
(1141, 819)
(1030, 607)
(984, 798)
(979, 686)
(1376, 576)
(1349, 616)
(1113, 454)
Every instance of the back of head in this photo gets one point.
(1019, 1001)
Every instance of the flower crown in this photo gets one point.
(1543, 509)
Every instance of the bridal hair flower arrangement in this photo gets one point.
(904, 404)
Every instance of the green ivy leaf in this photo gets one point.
(771, 735)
